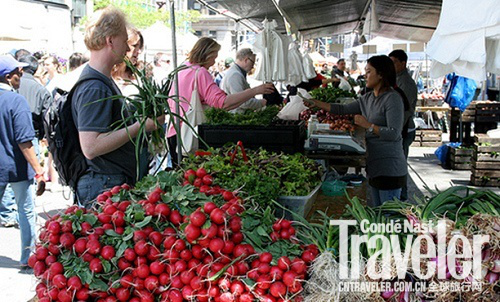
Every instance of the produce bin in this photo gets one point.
(298, 204)
(288, 138)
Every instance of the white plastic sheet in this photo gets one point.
(466, 40)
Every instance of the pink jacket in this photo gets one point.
(210, 94)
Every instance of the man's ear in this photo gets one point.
(109, 41)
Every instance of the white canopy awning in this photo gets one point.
(467, 39)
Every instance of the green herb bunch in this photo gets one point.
(250, 117)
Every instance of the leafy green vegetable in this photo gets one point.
(250, 117)
(264, 177)
(330, 94)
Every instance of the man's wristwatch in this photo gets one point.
(370, 130)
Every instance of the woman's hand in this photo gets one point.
(266, 88)
(361, 121)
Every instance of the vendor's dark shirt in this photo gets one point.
(94, 114)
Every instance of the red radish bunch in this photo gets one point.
(153, 251)
(282, 229)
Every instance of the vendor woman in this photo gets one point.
(380, 112)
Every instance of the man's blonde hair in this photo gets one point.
(108, 22)
(203, 50)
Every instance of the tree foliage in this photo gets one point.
(142, 15)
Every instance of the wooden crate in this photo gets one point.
(431, 144)
(485, 170)
(427, 136)
(485, 181)
(487, 112)
(416, 144)
(460, 158)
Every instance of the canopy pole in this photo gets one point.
(176, 79)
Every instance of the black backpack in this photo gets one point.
(62, 137)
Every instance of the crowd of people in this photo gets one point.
(30, 83)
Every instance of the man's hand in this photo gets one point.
(266, 88)
(151, 125)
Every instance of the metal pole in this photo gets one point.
(176, 79)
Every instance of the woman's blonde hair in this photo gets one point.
(108, 22)
(202, 51)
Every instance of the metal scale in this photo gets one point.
(324, 139)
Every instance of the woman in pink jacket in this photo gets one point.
(201, 58)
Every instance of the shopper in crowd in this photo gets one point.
(39, 99)
(200, 59)
(76, 60)
(222, 70)
(21, 53)
(123, 74)
(52, 69)
(340, 69)
(235, 79)
(18, 160)
(325, 71)
(407, 85)
(109, 152)
(380, 112)
(161, 67)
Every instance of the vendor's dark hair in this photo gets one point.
(32, 61)
(399, 54)
(385, 68)
(341, 60)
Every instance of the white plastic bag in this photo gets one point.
(344, 84)
(194, 116)
(293, 108)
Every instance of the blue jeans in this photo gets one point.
(92, 184)
(378, 197)
(8, 210)
(24, 194)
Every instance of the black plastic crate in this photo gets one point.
(277, 137)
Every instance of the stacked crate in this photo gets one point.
(486, 161)
(460, 158)
(427, 138)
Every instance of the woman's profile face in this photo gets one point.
(372, 77)
(134, 48)
(211, 59)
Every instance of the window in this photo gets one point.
(212, 34)
(198, 33)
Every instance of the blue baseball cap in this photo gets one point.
(9, 64)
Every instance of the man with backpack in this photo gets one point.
(18, 161)
(109, 155)
(407, 84)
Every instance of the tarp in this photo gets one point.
(158, 37)
(413, 20)
(467, 40)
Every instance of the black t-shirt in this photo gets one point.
(92, 113)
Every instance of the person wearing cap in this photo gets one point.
(20, 166)
(235, 80)
(228, 62)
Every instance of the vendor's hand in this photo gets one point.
(151, 125)
(310, 103)
(266, 88)
(361, 121)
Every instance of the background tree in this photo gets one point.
(142, 15)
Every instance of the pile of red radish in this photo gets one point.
(146, 250)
